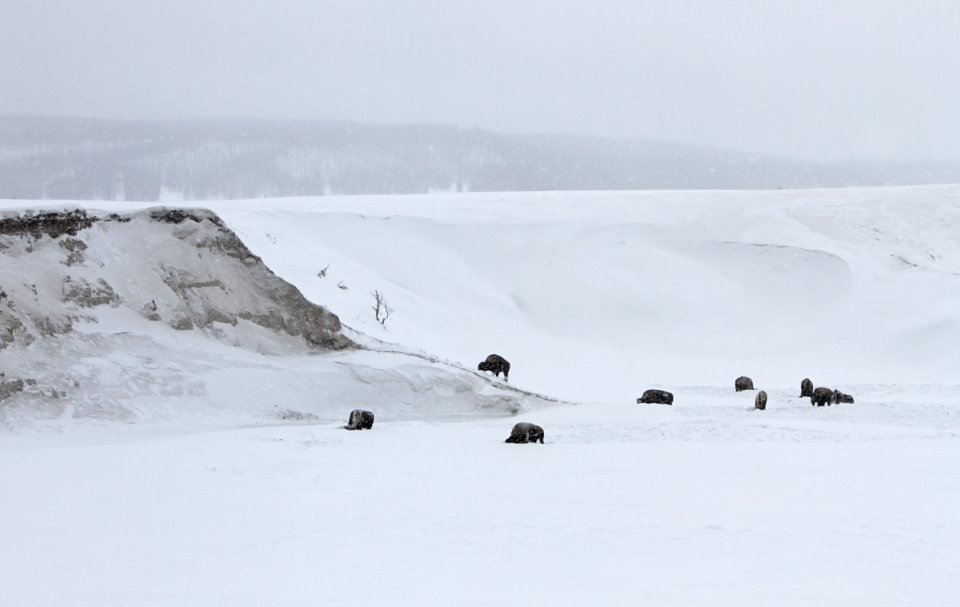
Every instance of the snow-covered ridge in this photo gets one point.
(156, 259)
(150, 314)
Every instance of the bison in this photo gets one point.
(360, 420)
(840, 397)
(656, 397)
(806, 387)
(743, 383)
(497, 364)
(525, 433)
(761, 401)
(821, 397)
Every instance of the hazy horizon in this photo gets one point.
(811, 80)
(785, 156)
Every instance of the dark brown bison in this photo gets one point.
(656, 397)
(761, 401)
(743, 383)
(525, 433)
(806, 387)
(821, 397)
(497, 364)
(360, 420)
(840, 397)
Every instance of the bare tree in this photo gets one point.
(381, 311)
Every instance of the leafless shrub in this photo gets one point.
(381, 310)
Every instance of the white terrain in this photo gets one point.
(172, 408)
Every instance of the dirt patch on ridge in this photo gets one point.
(52, 223)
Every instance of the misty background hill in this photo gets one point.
(87, 159)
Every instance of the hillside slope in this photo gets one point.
(164, 314)
(596, 296)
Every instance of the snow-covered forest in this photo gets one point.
(77, 159)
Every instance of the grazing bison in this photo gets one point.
(525, 433)
(360, 420)
(497, 364)
(761, 401)
(840, 397)
(806, 387)
(656, 397)
(743, 383)
(821, 397)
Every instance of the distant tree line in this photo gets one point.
(64, 158)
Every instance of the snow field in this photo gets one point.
(211, 498)
(620, 507)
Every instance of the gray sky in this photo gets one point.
(812, 78)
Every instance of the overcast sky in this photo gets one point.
(811, 78)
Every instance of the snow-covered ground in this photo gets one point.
(593, 297)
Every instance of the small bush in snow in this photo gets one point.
(381, 311)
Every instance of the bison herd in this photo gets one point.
(818, 396)
(531, 433)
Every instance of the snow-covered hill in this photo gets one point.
(164, 314)
(593, 297)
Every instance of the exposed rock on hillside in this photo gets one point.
(181, 267)
(53, 224)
